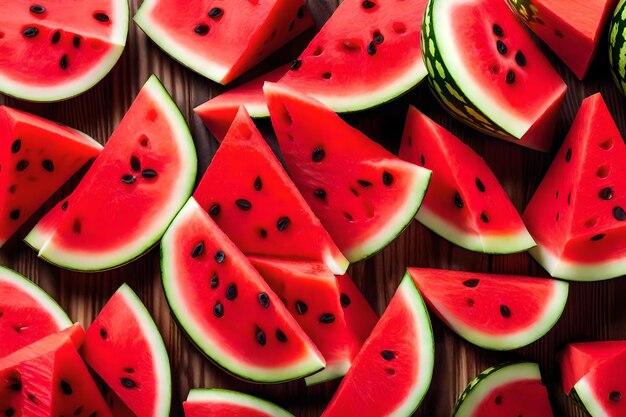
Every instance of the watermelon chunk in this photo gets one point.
(509, 389)
(259, 208)
(577, 214)
(224, 403)
(226, 308)
(28, 313)
(465, 202)
(500, 312)
(38, 157)
(578, 359)
(364, 200)
(124, 347)
(601, 391)
(222, 40)
(487, 72)
(55, 49)
(393, 370)
(131, 193)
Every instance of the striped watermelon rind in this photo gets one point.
(617, 46)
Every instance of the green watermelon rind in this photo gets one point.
(617, 46)
(226, 397)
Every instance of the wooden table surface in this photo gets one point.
(595, 311)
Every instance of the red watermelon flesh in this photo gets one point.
(259, 208)
(465, 203)
(577, 214)
(224, 403)
(219, 112)
(38, 157)
(222, 40)
(578, 359)
(126, 200)
(359, 315)
(314, 297)
(602, 390)
(572, 29)
(364, 195)
(226, 308)
(124, 347)
(393, 370)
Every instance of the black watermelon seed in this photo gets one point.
(218, 310)
(292, 25)
(103, 333)
(10, 412)
(281, 336)
(364, 183)
(198, 249)
(498, 399)
(301, 12)
(220, 256)
(568, 155)
(48, 165)
(319, 193)
(128, 178)
(502, 49)
(318, 154)
(557, 216)
(615, 396)
(497, 30)
(243, 204)
(15, 214)
(471, 283)
(348, 216)
(16, 146)
(56, 37)
(201, 30)
(458, 201)
(78, 411)
(30, 32)
(264, 299)
(327, 318)
(258, 184)
(558, 34)
(231, 292)
(128, 383)
(371, 48)
(263, 233)
(378, 38)
(63, 62)
(480, 185)
(260, 337)
(149, 173)
(32, 399)
(388, 355)
(66, 388)
(520, 58)
(135, 164)
(301, 307)
(76, 42)
(283, 223)
(295, 64)
(387, 178)
(101, 17)
(619, 213)
(22, 165)
(423, 160)
(215, 209)
(215, 12)
(368, 4)
(64, 205)
(505, 311)
(569, 198)
(345, 300)
(15, 385)
(606, 193)
(215, 281)
(12, 188)
(484, 217)
(510, 77)
(37, 9)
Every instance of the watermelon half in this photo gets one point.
(38, 157)
(225, 403)
(222, 40)
(124, 347)
(393, 370)
(465, 203)
(127, 199)
(500, 312)
(226, 308)
(364, 195)
(27, 313)
(487, 72)
(509, 389)
(259, 207)
(55, 49)
(577, 215)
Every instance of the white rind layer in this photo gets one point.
(574, 271)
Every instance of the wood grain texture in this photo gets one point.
(595, 311)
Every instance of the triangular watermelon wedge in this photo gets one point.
(601, 392)
(578, 359)
(259, 207)
(364, 195)
(465, 203)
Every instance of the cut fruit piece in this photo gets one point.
(364, 195)
(224, 403)
(617, 42)
(313, 296)
(393, 370)
(509, 389)
(571, 29)
(487, 72)
(222, 40)
(226, 308)
(38, 157)
(259, 207)
(49, 378)
(577, 214)
(601, 391)
(500, 312)
(578, 359)
(127, 199)
(465, 203)
(53, 50)
(28, 313)
(124, 347)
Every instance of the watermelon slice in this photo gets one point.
(259, 208)
(509, 389)
(364, 200)
(315, 298)
(500, 312)
(131, 193)
(124, 347)
(55, 49)
(577, 214)
(38, 157)
(49, 378)
(393, 370)
(27, 312)
(224, 403)
(571, 29)
(617, 40)
(222, 40)
(207, 281)
(487, 72)
(465, 202)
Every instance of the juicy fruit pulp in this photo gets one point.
(127, 199)
(55, 49)
(38, 157)
(364, 200)
(601, 391)
(223, 403)
(226, 308)
(222, 40)
(617, 46)
(487, 72)
(578, 359)
(261, 210)
(393, 370)
(577, 214)
(465, 203)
